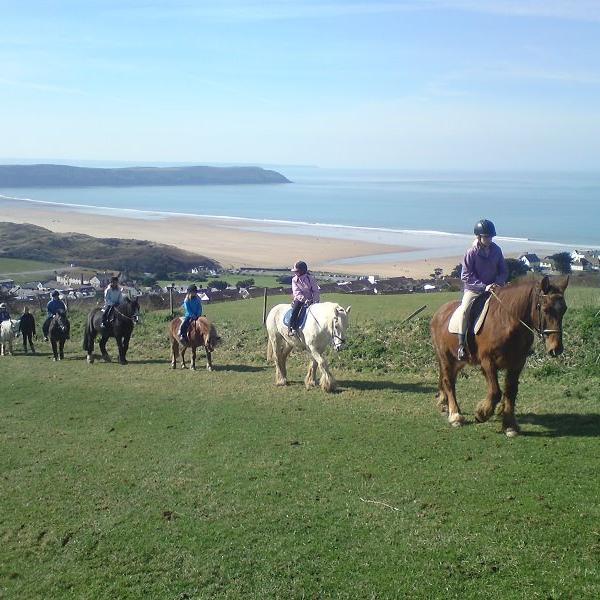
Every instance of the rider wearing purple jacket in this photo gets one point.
(305, 292)
(483, 269)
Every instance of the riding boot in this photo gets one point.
(461, 353)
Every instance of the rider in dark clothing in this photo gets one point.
(54, 306)
(4, 314)
(27, 329)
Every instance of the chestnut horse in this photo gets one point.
(514, 313)
(201, 332)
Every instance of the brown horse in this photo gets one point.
(201, 332)
(503, 343)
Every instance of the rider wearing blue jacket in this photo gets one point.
(53, 307)
(192, 307)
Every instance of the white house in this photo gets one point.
(531, 261)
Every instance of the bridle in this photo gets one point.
(334, 334)
(541, 333)
(133, 319)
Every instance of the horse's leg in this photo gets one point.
(193, 363)
(102, 346)
(449, 370)
(183, 349)
(282, 351)
(485, 409)
(10, 347)
(511, 387)
(327, 380)
(442, 399)
(125, 347)
(310, 381)
(120, 345)
(61, 350)
(174, 352)
(54, 349)
(209, 366)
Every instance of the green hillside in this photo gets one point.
(24, 241)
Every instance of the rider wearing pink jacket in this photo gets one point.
(305, 292)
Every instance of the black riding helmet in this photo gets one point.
(55, 294)
(484, 227)
(192, 288)
(300, 267)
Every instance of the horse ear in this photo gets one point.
(564, 283)
(348, 310)
(545, 285)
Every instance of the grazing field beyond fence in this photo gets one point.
(144, 482)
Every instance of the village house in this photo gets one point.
(531, 261)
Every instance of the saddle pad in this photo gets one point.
(455, 318)
(301, 317)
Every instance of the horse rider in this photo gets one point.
(305, 292)
(113, 296)
(483, 269)
(56, 305)
(192, 305)
(27, 329)
(4, 314)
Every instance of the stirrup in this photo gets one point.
(461, 353)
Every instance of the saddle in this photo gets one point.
(301, 317)
(475, 316)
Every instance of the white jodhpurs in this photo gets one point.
(467, 300)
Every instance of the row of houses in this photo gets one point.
(580, 261)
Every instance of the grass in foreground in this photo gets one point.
(129, 482)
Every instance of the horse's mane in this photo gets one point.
(206, 328)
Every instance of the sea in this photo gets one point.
(531, 210)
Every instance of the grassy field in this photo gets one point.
(18, 265)
(141, 482)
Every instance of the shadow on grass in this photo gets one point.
(388, 385)
(240, 368)
(563, 425)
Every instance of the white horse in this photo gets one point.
(8, 332)
(326, 324)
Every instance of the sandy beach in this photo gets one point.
(249, 243)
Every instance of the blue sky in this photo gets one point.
(433, 84)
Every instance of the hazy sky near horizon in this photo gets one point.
(429, 84)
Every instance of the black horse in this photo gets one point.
(58, 333)
(125, 316)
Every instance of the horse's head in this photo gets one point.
(339, 325)
(60, 320)
(551, 307)
(132, 309)
(213, 339)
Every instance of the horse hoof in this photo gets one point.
(511, 432)
(173, 366)
(456, 420)
(90, 359)
(123, 362)
(209, 368)
(192, 368)
(54, 358)
(282, 383)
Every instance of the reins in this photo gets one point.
(124, 315)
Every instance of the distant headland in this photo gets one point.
(48, 175)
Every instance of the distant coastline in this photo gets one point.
(51, 175)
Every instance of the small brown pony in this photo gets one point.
(201, 332)
(503, 343)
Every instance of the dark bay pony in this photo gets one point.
(201, 332)
(58, 332)
(502, 344)
(125, 316)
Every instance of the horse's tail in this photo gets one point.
(88, 333)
